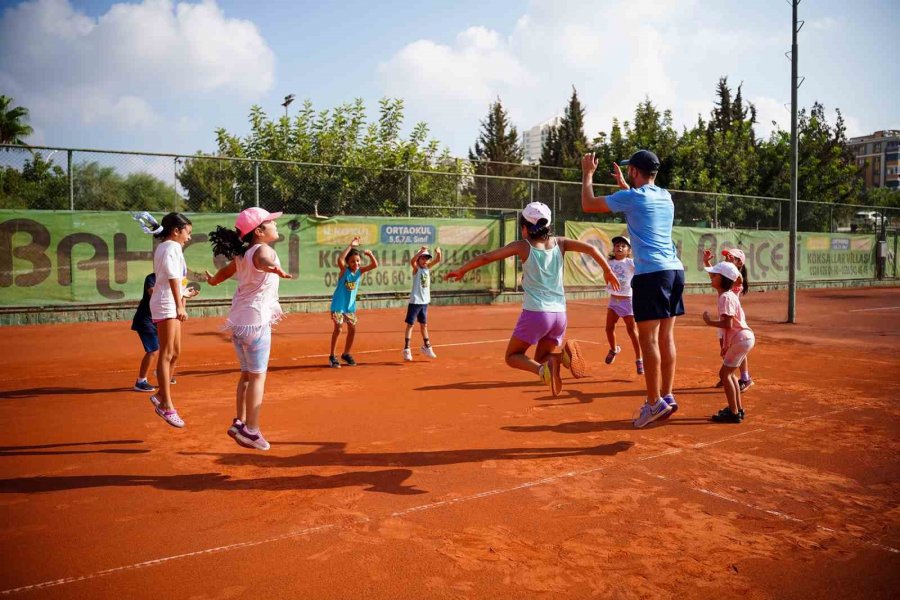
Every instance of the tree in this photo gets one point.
(40, 185)
(499, 154)
(572, 142)
(361, 167)
(13, 126)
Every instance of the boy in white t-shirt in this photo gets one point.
(419, 299)
(620, 305)
(737, 342)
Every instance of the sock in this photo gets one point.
(406, 345)
(427, 343)
(140, 379)
(745, 375)
(251, 431)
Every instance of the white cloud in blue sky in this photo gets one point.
(162, 75)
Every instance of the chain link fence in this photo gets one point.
(47, 178)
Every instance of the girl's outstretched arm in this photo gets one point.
(222, 274)
(519, 247)
(373, 262)
(576, 246)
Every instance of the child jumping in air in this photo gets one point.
(343, 301)
(737, 342)
(620, 302)
(543, 319)
(142, 324)
(741, 287)
(254, 310)
(167, 307)
(419, 298)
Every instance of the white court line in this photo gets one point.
(868, 309)
(776, 513)
(421, 508)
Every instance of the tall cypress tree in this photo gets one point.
(497, 142)
(572, 141)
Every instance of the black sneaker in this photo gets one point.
(741, 414)
(348, 359)
(333, 361)
(745, 384)
(726, 416)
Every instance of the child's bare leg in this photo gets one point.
(543, 350)
(631, 328)
(174, 362)
(517, 359)
(351, 333)
(611, 319)
(423, 327)
(145, 364)
(407, 335)
(745, 369)
(166, 330)
(731, 387)
(256, 384)
(241, 395)
(336, 332)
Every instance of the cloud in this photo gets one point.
(615, 53)
(127, 67)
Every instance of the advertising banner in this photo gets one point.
(820, 256)
(81, 257)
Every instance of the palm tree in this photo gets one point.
(12, 122)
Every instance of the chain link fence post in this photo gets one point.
(71, 175)
(256, 178)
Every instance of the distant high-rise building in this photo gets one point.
(533, 139)
(879, 157)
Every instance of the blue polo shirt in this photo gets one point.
(649, 212)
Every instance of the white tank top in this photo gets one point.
(255, 303)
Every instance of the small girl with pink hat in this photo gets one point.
(736, 257)
(254, 309)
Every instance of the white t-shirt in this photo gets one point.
(255, 303)
(729, 304)
(624, 270)
(168, 263)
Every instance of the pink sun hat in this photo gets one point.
(736, 253)
(251, 218)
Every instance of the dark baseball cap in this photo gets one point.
(643, 160)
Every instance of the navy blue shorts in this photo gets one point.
(657, 295)
(150, 340)
(416, 312)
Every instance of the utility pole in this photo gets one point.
(795, 85)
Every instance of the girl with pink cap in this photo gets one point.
(254, 309)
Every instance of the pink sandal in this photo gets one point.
(169, 416)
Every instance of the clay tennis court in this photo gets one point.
(458, 478)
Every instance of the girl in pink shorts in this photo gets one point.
(620, 302)
(543, 319)
(737, 341)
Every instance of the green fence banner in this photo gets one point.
(62, 257)
(821, 256)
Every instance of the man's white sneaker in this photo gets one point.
(428, 351)
(652, 412)
(407, 354)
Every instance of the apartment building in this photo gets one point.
(534, 138)
(879, 157)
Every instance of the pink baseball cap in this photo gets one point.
(251, 218)
(736, 253)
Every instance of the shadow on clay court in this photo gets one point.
(490, 385)
(334, 454)
(597, 426)
(388, 481)
(44, 449)
(58, 391)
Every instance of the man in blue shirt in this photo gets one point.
(658, 280)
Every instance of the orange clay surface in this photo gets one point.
(460, 477)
